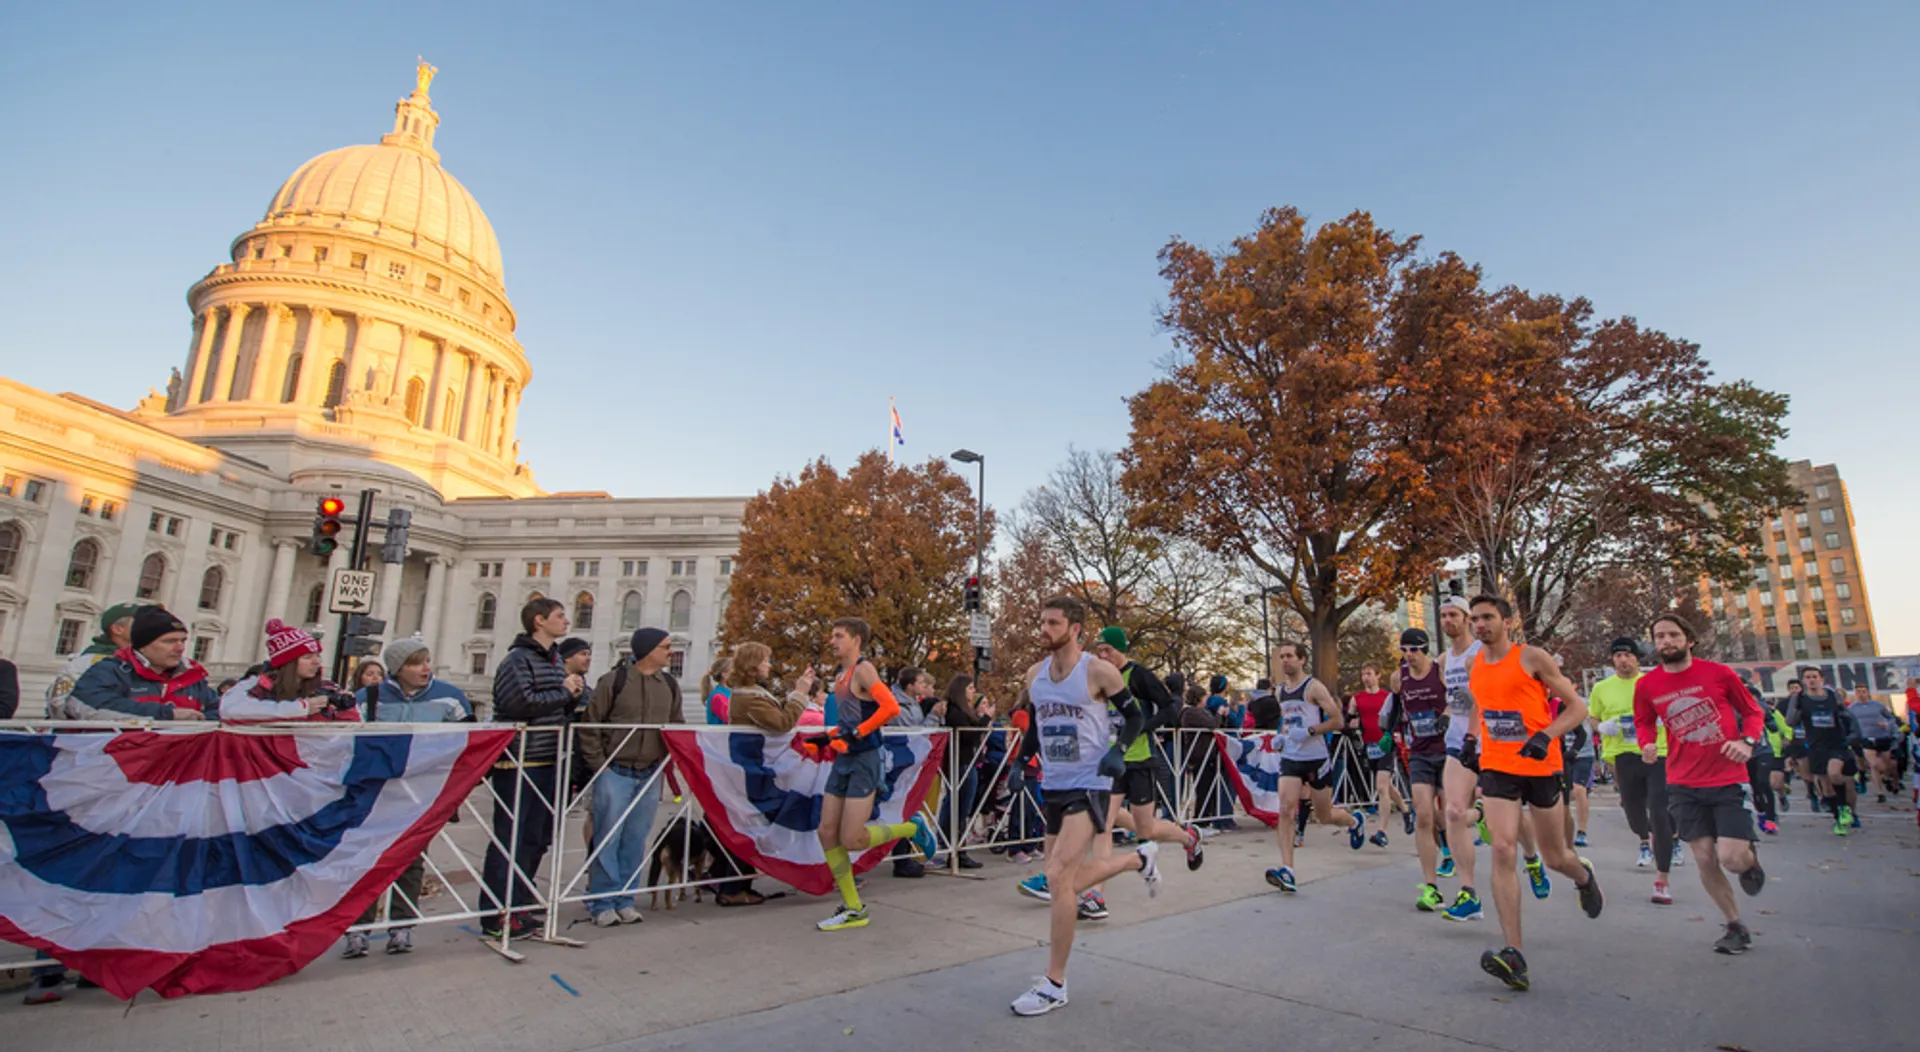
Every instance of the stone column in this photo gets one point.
(402, 359)
(280, 581)
(350, 356)
(197, 356)
(264, 379)
(497, 407)
(310, 352)
(386, 597)
(511, 397)
(436, 606)
(430, 413)
(229, 353)
(469, 396)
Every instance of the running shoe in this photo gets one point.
(1045, 996)
(1430, 900)
(1299, 839)
(1735, 941)
(1379, 838)
(1580, 838)
(1466, 907)
(1507, 966)
(923, 841)
(1679, 856)
(1769, 827)
(843, 918)
(1357, 832)
(1840, 825)
(1753, 879)
(1590, 898)
(1446, 864)
(1149, 853)
(1662, 895)
(1853, 819)
(1035, 887)
(1195, 853)
(1537, 878)
(1282, 878)
(1093, 906)
(1646, 856)
(1480, 823)
(1020, 857)
(1785, 799)
(1407, 821)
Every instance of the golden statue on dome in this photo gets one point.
(423, 75)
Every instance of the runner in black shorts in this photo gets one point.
(1422, 691)
(1139, 786)
(1830, 731)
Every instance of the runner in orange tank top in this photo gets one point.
(1520, 766)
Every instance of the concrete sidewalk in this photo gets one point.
(1218, 955)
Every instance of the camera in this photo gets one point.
(341, 699)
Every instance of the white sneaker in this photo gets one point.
(1150, 867)
(606, 919)
(1043, 998)
(1679, 857)
(629, 915)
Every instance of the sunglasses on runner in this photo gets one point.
(1413, 650)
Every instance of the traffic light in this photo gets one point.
(326, 526)
(393, 551)
(363, 635)
(970, 599)
(982, 662)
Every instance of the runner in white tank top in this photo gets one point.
(1308, 712)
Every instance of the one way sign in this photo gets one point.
(352, 592)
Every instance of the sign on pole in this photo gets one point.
(980, 631)
(352, 592)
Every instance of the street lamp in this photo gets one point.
(1266, 643)
(972, 595)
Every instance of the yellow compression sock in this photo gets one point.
(841, 865)
(881, 833)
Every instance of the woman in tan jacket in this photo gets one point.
(754, 704)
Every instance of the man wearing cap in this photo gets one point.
(626, 791)
(1642, 783)
(1423, 698)
(116, 630)
(149, 678)
(1140, 783)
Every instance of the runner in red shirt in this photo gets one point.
(1712, 724)
(1378, 712)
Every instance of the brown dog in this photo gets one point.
(686, 852)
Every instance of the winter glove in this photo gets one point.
(1298, 735)
(1536, 747)
(1114, 763)
(1610, 728)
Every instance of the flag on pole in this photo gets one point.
(897, 439)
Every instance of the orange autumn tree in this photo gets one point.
(1319, 381)
(891, 544)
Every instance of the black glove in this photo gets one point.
(1114, 763)
(1536, 747)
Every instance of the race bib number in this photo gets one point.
(1376, 750)
(1822, 720)
(1424, 724)
(1505, 726)
(1626, 726)
(1799, 734)
(1060, 743)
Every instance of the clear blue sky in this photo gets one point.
(732, 231)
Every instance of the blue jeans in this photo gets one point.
(622, 844)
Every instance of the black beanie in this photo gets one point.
(570, 646)
(152, 622)
(645, 641)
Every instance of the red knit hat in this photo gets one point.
(285, 643)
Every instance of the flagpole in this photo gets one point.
(892, 411)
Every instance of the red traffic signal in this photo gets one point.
(326, 526)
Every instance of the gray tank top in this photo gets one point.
(1297, 711)
(1075, 731)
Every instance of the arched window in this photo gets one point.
(680, 614)
(212, 583)
(630, 612)
(291, 384)
(416, 401)
(483, 621)
(80, 565)
(314, 598)
(583, 611)
(153, 573)
(336, 384)
(10, 542)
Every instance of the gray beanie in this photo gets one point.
(400, 651)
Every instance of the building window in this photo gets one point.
(677, 663)
(1826, 516)
(396, 270)
(1853, 643)
(1766, 598)
(10, 540)
(286, 251)
(1843, 590)
(1780, 547)
(1800, 519)
(80, 565)
(336, 384)
(1846, 615)
(1821, 491)
(213, 537)
(586, 567)
(211, 584)
(1832, 541)
(478, 665)
(583, 611)
(491, 570)
(315, 597)
(357, 260)
(1792, 595)
(153, 573)
(680, 568)
(1806, 543)
(259, 250)
(633, 567)
(466, 298)
(630, 611)
(1816, 593)
(416, 401)
(153, 522)
(202, 646)
(290, 383)
(33, 491)
(173, 526)
(86, 504)
(320, 255)
(9, 485)
(680, 613)
(539, 568)
(433, 283)
(67, 640)
(726, 567)
(483, 620)
(1837, 564)
(1799, 647)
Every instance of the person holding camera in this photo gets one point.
(291, 688)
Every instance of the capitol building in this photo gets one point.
(360, 337)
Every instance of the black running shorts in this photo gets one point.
(1817, 761)
(1426, 768)
(1092, 802)
(1139, 785)
(1534, 790)
(1723, 811)
(1318, 774)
